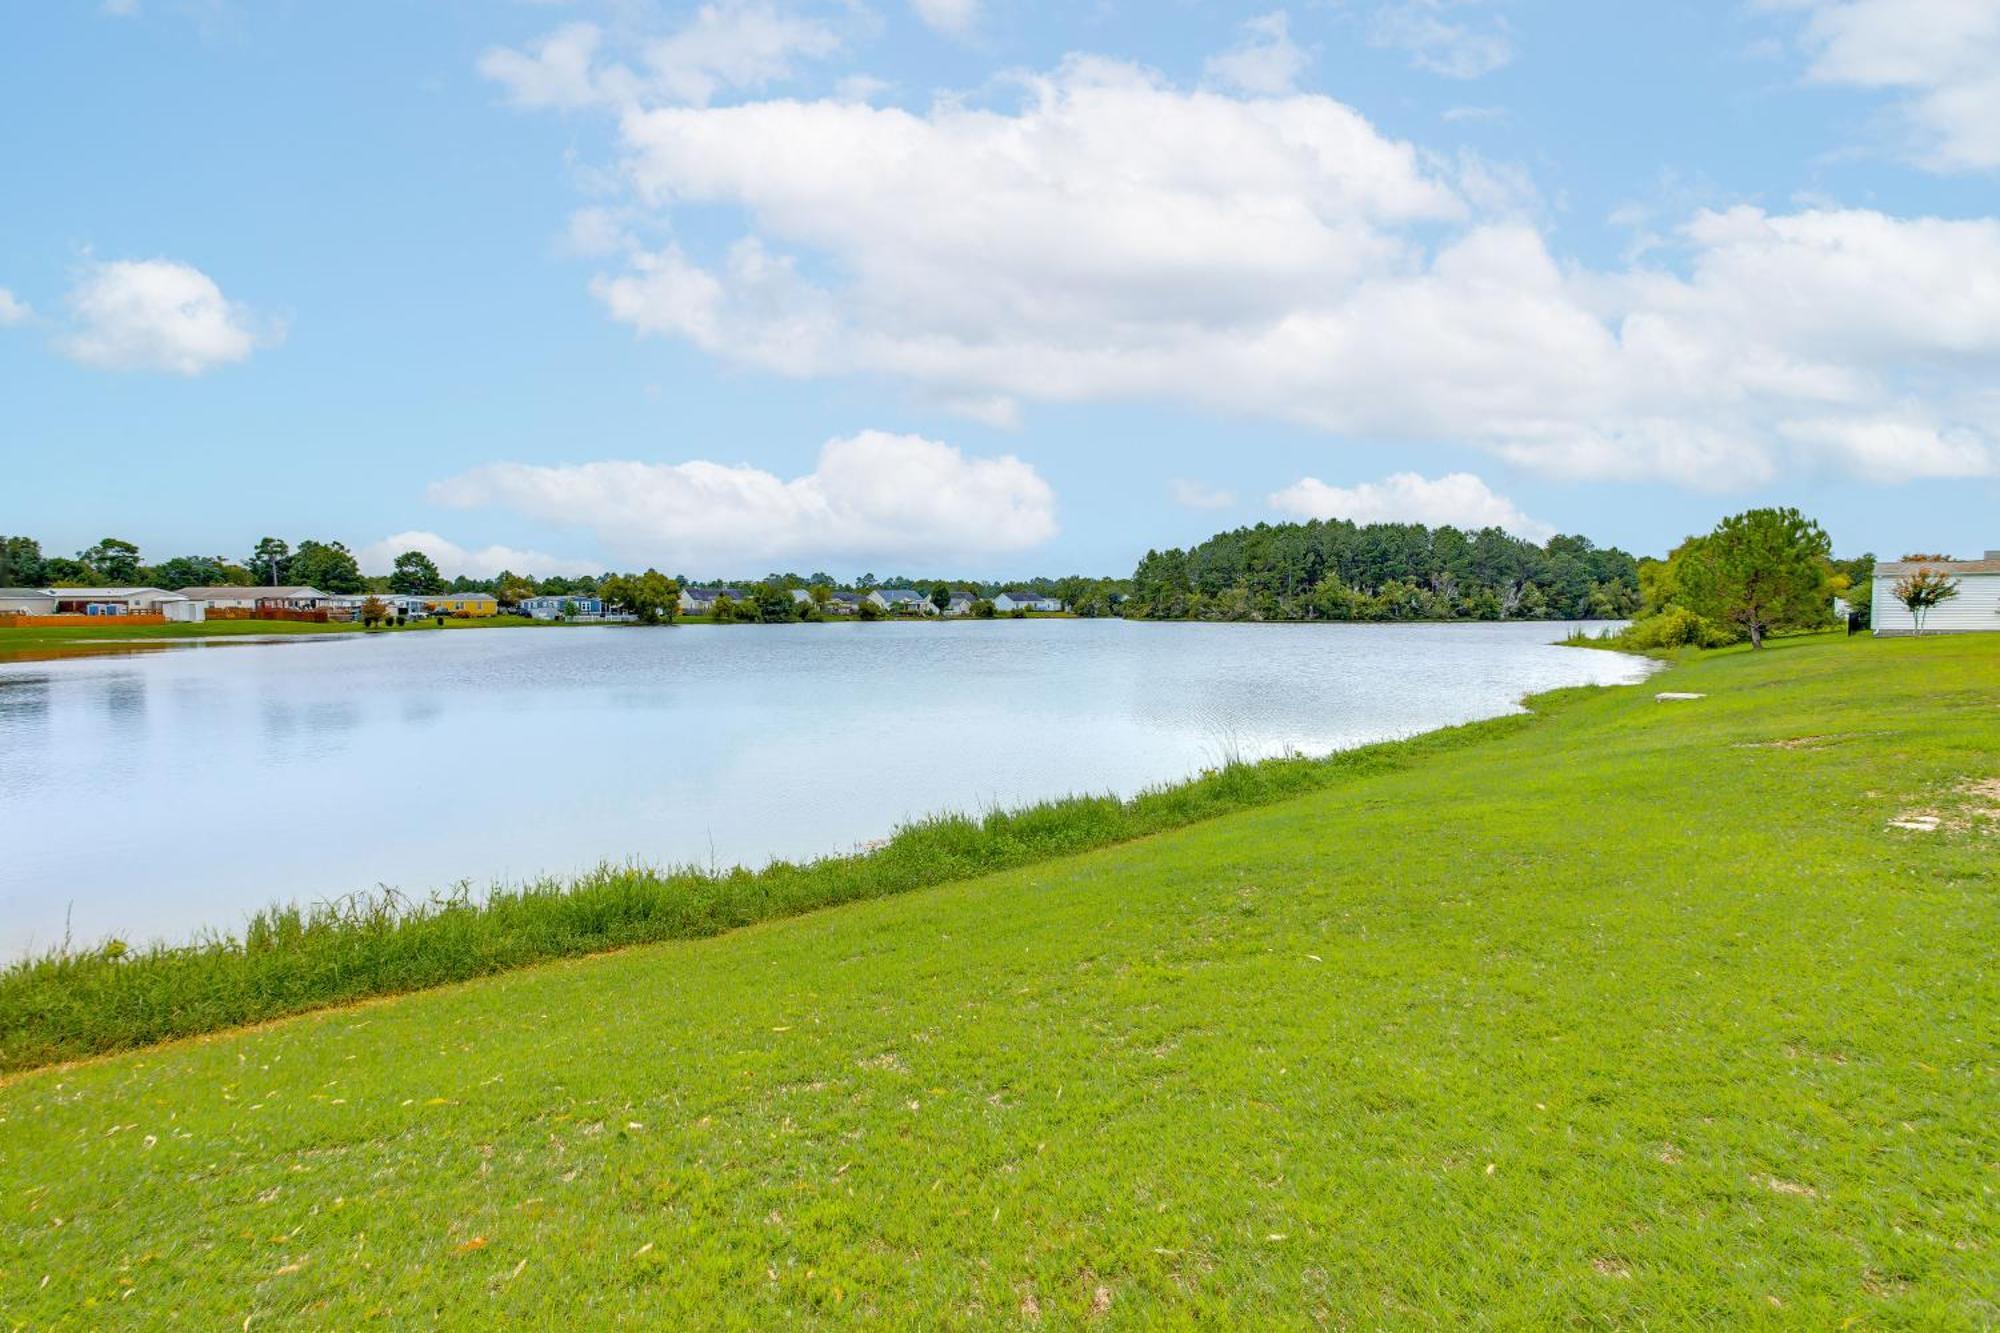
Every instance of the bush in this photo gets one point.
(1676, 627)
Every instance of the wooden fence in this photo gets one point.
(320, 617)
(20, 620)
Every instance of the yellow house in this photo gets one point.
(469, 604)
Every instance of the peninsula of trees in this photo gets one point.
(1336, 570)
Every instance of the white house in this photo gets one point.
(1017, 600)
(28, 601)
(1976, 608)
(961, 604)
(285, 597)
(101, 602)
(903, 601)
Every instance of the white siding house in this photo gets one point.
(287, 597)
(1976, 608)
(903, 602)
(1017, 600)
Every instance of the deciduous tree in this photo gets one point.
(1922, 589)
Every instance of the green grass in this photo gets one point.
(1632, 1015)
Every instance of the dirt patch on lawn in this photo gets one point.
(1973, 805)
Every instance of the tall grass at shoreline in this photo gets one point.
(68, 1004)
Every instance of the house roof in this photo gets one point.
(900, 595)
(281, 592)
(1022, 595)
(847, 597)
(110, 594)
(710, 594)
(25, 592)
(1898, 568)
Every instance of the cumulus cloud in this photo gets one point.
(156, 314)
(872, 495)
(1457, 48)
(13, 310)
(1111, 236)
(1458, 499)
(1199, 495)
(727, 45)
(1266, 61)
(1898, 447)
(951, 17)
(1942, 57)
(453, 560)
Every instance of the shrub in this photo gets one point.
(1676, 627)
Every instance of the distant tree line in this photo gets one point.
(331, 567)
(1337, 570)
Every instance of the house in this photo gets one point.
(701, 601)
(126, 602)
(843, 604)
(1976, 608)
(27, 601)
(472, 605)
(1019, 600)
(347, 605)
(574, 606)
(283, 597)
(903, 602)
(801, 597)
(961, 604)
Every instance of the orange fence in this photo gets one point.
(17, 620)
(262, 613)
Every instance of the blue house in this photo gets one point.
(575, 606)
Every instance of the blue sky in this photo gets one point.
(992, 286)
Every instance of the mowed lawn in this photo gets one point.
(1638, 1014)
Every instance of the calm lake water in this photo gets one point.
(151, 796)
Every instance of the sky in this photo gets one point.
(991, 287)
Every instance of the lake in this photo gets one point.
(151, 796)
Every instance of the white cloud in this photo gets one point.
(1113, 237)
(13, 310)
(1199, 495)
(453, 560)
(727, 45)
(1942, 56)
(156, 314)
(1458, 499)
(954, 18)
(1456, 49)
(555, 71)
(1899, 447)
(872, 495)
(1266, 61)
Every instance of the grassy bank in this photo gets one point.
(1631, 1014)
(64, 1005)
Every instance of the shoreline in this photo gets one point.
(44, 645)
(295, 958)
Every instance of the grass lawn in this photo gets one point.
(1637, 1015)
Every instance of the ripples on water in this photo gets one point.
(152, 796)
